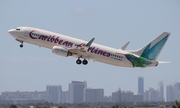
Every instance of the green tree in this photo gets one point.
(177, 104)
(113, 107)
(13, 106)
(47, 107)
(38, 106)
(61, 106)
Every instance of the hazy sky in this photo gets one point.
(111, 22)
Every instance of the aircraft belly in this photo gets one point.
(22, 38)
(41, 43)
(109, 60)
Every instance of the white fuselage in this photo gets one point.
(49, 39)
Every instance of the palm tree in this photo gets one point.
(177, 104)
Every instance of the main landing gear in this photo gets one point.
(84, 62)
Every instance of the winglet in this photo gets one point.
(90, 42)
(124, 47)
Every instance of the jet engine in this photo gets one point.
(61, 51)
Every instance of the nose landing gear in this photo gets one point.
(21, 45)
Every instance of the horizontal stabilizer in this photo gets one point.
(164, 62)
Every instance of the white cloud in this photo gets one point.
(79, 11)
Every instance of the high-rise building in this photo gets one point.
(169, 93)
(65, 97)
(54, 93)
(93, 95)
(140, 85)
(177, 91)
(116, 96)
(107, 99)
(173, 92)
(161, 91)
(36, 95)
(151, 95)
(127, 96)
(76, 91)
(138, 98)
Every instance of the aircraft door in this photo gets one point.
(26, 33)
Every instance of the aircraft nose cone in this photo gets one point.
(11, 31)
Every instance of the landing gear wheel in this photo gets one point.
(78, 61)
(85, 62)
(21, 45)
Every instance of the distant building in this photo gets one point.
(161, 91)
(140, 85)
(54, 93)
(65, 97)
(116, 96)
(177, 91)
(76, 91)
(173, 92)
(151, 95)
(138, 98)
(22, 97)
(107, 99)
(127, 96)
(169, 93)
(93, 95)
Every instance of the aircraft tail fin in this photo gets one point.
(152, 50)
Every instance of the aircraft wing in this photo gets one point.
(81, 52)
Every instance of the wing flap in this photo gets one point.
(81, 52)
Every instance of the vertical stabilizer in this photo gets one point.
(152, 50)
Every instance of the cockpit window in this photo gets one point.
(17, 29)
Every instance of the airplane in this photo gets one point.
(87, 50)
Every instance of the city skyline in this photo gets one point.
(79, 92)
(140, 86)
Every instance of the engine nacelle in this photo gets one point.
(61, 51)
